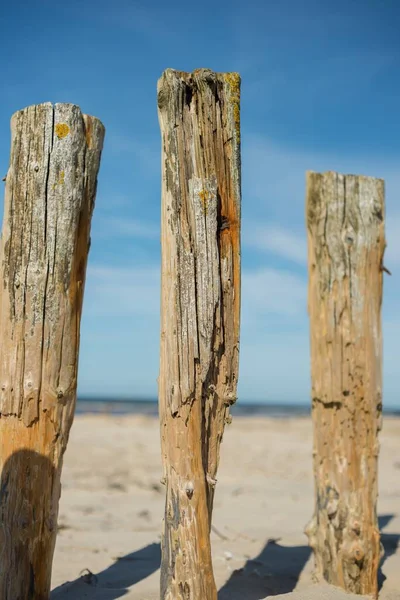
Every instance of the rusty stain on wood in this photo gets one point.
(199, 120)
(346, 242)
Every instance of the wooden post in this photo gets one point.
(346, 242)
(199, 120)
(49, 199)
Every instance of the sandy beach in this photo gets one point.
(112, 503)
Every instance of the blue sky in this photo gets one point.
(320, 90)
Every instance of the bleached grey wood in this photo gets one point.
(346, 241)
(49, 200)
(200, 230)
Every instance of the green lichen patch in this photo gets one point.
(233, 81)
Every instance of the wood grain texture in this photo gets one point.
(49, 200)
(346, 242)
(200, 230)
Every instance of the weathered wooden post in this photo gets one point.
(346, 242)
(199, 120)
(49, 199)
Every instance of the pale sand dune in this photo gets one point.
(112, 505)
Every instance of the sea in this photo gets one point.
(149, 407)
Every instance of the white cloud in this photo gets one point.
(392, 253)
(133, 294)
(127, 291)
(111, 202)
(275, 366)
(118, 291)
(274, 177)
(146, 154)
(274, 360)
(267, 292)
(277, 240)
(126, 227)
(277, 202)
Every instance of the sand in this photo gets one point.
(112, 502)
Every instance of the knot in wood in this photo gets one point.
(230, 398)
(189, 490)
(349, 238)
(332, 507)
(228, 419)
(356, 527)
(357, 553)
(210, 480)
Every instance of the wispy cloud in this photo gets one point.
(107, 201)
(277, 240)
(109, 227)
(278, 201)
(122, 291)
(147, 154)
(283, 190)
(272, 291)
(392, 253)
(274, 365)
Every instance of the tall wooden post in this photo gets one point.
(346, 242)
(49, 199)
(199, 120)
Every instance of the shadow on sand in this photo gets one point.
(390, 542)
(276, 570)
(113, 582)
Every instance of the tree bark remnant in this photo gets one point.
(346, 242)
(200, 233)
(49, 199)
